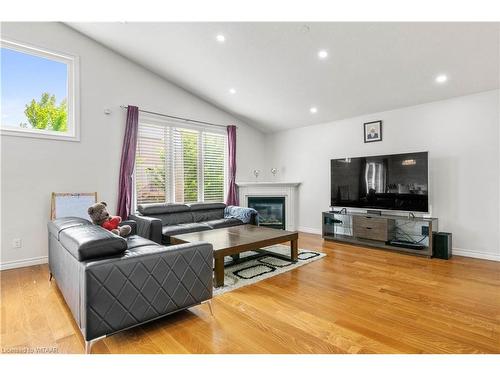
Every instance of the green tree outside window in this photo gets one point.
(45, 114)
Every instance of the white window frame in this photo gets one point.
(73, 88)
(171, 124)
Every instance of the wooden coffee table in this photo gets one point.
(234, 240)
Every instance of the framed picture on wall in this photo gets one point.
(373, 131)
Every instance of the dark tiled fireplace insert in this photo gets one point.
(271, 211)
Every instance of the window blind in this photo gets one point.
(213, 146)
(152, 162)
(186, 176)
(178, 164)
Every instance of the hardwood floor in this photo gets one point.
(355, 300)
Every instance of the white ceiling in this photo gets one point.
(275, 69)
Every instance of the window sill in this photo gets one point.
(41, 135)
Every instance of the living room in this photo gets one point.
(250, 187)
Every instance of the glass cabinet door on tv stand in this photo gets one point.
(408, 234)
(337, 225)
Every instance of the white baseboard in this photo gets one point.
(309, 230)
(455, 251)
(476, 254)
(23, 263)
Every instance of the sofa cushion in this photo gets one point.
(56, 226)
(172, 230)
(207, 211)
(207, 215)
(134, 242)
(223, 223)
(206, 206)
(91, 241)
(162, 208)
(136, 246)
(176, 218)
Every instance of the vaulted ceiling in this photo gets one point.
(277, 76)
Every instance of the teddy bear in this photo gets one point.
(100, 216)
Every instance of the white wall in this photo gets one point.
(33, 168)
(462, 137)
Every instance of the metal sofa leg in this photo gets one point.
(88, 346)
(209, 303)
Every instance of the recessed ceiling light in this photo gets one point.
(313, 110)
(232, 91)
(323, 54)
(442, 78)
(220, 38)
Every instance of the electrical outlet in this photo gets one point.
(425, 230)
(17, 243)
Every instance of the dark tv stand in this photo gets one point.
(408, 234)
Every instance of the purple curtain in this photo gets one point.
(127, 163)
(232, 194)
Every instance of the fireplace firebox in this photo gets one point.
(271, 211)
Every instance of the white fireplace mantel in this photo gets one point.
(288, 190)
(268, 183)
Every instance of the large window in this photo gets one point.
(175, 163)
(38, 92)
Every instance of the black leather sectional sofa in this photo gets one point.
(112, 283)
(159, 221)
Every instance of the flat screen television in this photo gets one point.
(385, 182)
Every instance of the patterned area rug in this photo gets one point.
(262, 267)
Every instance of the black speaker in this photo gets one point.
(441, 245)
